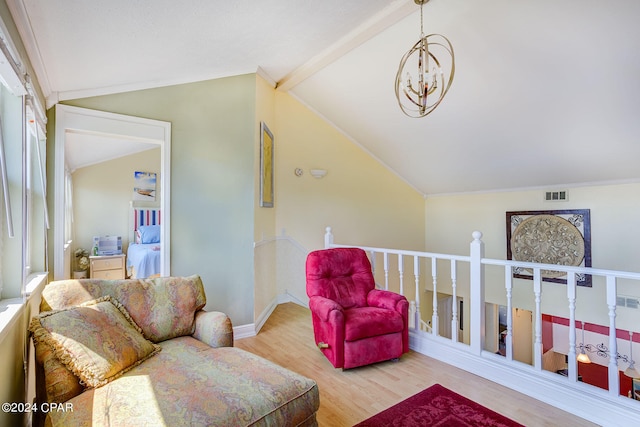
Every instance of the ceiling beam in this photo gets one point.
(379, 22)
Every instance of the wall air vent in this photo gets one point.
(556, 196)
(627, 301)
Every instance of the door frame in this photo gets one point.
(83, 120)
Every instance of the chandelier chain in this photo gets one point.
(421, 21)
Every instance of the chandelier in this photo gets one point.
(421, 90)
(603, 351)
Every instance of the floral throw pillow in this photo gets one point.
(98, 341)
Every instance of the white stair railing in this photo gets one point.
(623, 407)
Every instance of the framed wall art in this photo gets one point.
(144, 186)
(266, 166)
(560, 237)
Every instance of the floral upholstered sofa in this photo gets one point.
(144, 353)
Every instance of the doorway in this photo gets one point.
(74, 122)
(496, 321)
(445, 311)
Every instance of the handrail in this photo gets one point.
(564, 268)
(407, 252)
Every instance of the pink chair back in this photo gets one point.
(340, 274)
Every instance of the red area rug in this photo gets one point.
(438, 406)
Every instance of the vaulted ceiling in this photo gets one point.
(546, 92)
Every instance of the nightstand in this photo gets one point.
(107, 267)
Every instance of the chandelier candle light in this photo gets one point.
(420, 95)
(583, 357)
(631, 371)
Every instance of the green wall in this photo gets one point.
(212, 181)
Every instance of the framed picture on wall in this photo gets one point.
(560, 237)
(144, 186)
(266, 166)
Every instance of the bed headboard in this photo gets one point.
(143, 216)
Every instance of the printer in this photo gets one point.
(107, 245)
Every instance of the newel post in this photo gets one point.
(328, 238)
(614, 378)
(476, 317)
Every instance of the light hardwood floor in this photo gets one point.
(350, 396)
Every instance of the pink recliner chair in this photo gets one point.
(354, 324)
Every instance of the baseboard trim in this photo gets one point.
(244, 331)
(252, 329)
(264, 316)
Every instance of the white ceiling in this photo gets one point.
(546, 92)
(87, 149)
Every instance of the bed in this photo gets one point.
(143, 253)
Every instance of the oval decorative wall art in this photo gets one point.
(547, 239)
(561, 237)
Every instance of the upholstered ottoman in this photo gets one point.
(189, 383)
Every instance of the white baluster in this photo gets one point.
(413, 318)
(401, 273)
(386, 271)
(508, 340)
(476, 308)
(614, 379)
(328, 238)
(454, 308)
(537, 343)
(372, 257)
(571, 295)
(416, 274)
(434, 319)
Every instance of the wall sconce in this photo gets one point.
(603, 351)
(318, 173)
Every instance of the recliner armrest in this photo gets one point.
(386, 299)
(213, 328)
(322, 307)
